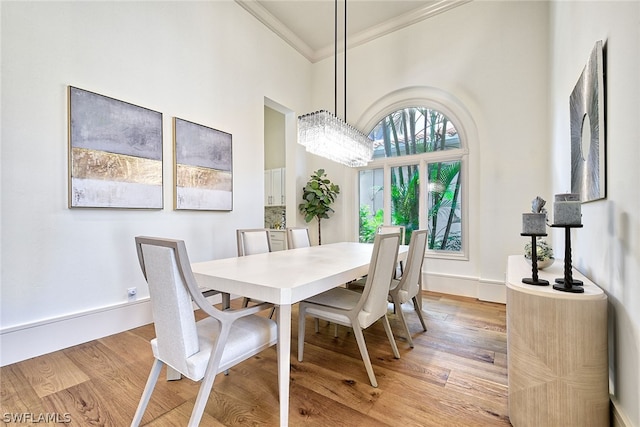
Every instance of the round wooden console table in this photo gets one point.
(556, 350)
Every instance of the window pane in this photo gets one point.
(405, 194)
(445, 231)
(371, 203)
(413, 130)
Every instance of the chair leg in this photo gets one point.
(335, 330)
(405, 325)
(365, 355)
(418, 308)
(226, 300)
(201, 400)
(392, 341)
(172, 374)
(146, 394)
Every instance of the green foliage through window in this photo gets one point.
(409, 132)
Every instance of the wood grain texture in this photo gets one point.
(455, 376)
(558, 365)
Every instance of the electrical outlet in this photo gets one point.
(131, 293)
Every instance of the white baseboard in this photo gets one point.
(618, 418)
(34, 339)
(23, 342)
(484, 290)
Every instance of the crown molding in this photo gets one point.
(372, 33)
(275, 25)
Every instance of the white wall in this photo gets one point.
(491, 57)
(607, 248)
(208, 62)
(274, 139)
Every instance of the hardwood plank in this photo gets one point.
(456, 375)
(16, 393)
(52, 373)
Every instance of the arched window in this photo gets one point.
(414, 146)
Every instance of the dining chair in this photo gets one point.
(253, 241)
(198, 350)
(382, 229)
(385, 229)
(358, 310)
(298, 237)
(409, 286)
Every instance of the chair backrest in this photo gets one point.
(381, 270)
(253, 241)
(410, 280)
(298, 237)
(172, 287)
(385, 229)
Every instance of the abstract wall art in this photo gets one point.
(587, 115)
(115, 153)
(203, 167)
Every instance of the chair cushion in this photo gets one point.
(341, 298)
(249, 335)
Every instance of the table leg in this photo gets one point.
(284, 360)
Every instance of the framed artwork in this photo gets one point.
(203, 167)
(588, 130)
(115, 153)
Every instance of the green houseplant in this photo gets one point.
(318, 195)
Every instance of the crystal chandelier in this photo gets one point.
(325, 134)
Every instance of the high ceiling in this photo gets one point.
(308, 25)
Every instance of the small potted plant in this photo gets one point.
(318, 196)
(544, 253)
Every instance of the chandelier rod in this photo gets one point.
(335, 61)
(335, 57)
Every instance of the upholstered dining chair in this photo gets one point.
(198, 350)
(409, 286)
(385, 229)
(298, 237)
(253, 241)
(358, 310)
(382, 229)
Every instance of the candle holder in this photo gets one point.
(534, 280)
(567, 283)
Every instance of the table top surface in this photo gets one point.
(518, 268)
(286, 277)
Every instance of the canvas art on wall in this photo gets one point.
(115, 153)
(587, 130)
(203, 167)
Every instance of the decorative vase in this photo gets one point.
(544, 253)
(542, 264)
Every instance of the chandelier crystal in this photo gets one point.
(324, 134)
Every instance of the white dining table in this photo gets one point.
(285, 278)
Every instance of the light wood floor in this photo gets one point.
(455, 376)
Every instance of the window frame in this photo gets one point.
(444, 103)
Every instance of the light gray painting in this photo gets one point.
(115, 153)
(203, 172)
